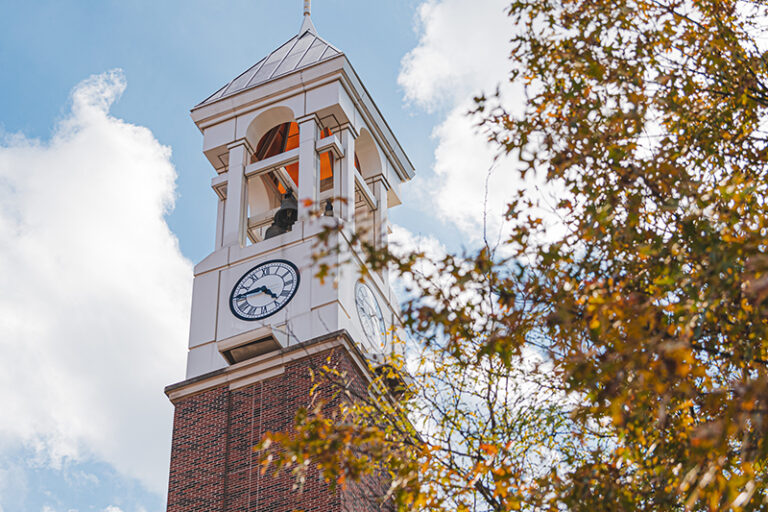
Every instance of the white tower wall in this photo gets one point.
(324, 94)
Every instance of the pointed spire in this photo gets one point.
(307, 25)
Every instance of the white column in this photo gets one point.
(234, 209)
(380, 221)
(380, 215)
(347, 178)
(307, 166)
(220, 223)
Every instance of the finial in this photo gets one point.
(306, 25)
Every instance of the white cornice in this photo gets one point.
(268, 366)
(265, 94)
(336, 69)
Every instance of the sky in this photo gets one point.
(105, 204)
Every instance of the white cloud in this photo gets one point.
(95, 292)
(403, 242)
(79, 478)
(112, 508)
(463, 48)
(463, 51)
(428, 274)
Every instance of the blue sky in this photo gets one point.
(174, 54)
(89, 88)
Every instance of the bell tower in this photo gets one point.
(298, 146)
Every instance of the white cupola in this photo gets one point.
(296, 143)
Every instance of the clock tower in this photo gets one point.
(298, 146)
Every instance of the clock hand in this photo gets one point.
(268, 292)
(255, 291)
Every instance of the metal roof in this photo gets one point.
(301, 51)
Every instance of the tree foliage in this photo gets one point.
(620, 365)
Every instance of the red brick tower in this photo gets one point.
(297, 126)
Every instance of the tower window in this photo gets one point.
(326, 165)
(273, 193)
(283, 137)
(269, 192)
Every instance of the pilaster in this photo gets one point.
(220, 215)
(380, 221)
(234, 208)
(347, 178)
(380, 214)
(308, 165)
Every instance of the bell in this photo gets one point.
(328, 208)
(285, 216)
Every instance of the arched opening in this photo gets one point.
(279, 139)
(367, 159)
(285, 137)
(269, 190)
(364, 213)
(272, 203)
(368, 162)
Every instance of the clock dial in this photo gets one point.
(369, 313)
(264, 290)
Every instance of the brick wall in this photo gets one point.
(214, 468)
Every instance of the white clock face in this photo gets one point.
(369, 313)
(264, 290)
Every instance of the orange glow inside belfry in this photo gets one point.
(285, 137)
(326, 164)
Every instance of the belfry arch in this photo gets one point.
(266, 120)
(273, 186)
(367, 155)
